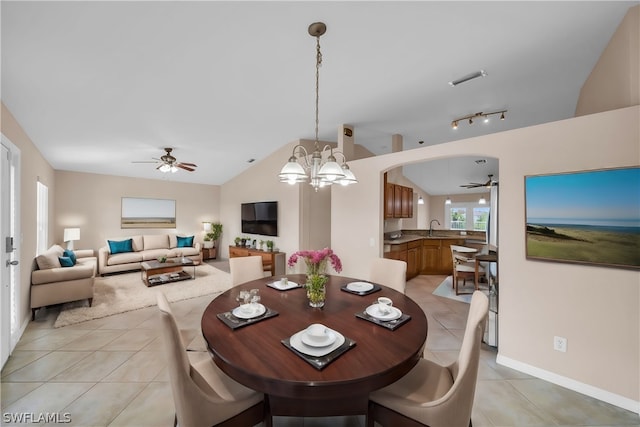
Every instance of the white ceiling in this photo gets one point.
(97, 85)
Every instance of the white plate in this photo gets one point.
(329, 339)
(360, 286)
(278, 285)
(296, 342)
(373, 311)
(258, 310)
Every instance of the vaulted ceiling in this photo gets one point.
(98, 85)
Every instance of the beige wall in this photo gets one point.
(92, 202)
(33, 167)
(595, 308)
(614, 82)
(258, 184)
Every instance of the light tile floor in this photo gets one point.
(110, 372)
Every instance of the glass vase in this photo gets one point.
(316, 291)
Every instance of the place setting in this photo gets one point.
(384, 314)
(360, 288)
(249, 310)
(284, 284)
(318, 345)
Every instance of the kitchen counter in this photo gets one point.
(412, 237)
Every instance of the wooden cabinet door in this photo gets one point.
(412, 263)
(389, 206)
(406, 203)
(430, 256)
(397, 201)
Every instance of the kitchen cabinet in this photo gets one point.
(398, 252)
(389, 208)
(406, 202)
(436, 255)
(410, 253)
(414, 251)
(398, 200)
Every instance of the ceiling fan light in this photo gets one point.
(482, 201)
(447, 201)
(165, 168)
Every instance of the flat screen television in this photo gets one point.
(260, 218)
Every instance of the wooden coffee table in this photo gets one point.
(160, 273)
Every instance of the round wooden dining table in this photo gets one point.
(255, 356)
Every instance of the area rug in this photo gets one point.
(445, 289)
(120, 293)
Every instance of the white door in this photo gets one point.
(9, 257)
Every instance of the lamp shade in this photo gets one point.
(71, 234)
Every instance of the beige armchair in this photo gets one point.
(204, 395)
(434, 395)
(389, 272)
(245, 269)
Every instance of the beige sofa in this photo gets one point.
(144, 248)
(53, 284)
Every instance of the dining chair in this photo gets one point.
(463, 267)
(389, 272)
(204, 396)
(244, 269)
(431, 394)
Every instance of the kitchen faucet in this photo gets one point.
(431, 226)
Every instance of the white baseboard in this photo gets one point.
(586, 389)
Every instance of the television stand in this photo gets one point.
(272, 261)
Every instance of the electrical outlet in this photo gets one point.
(560, 344)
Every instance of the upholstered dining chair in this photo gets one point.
(204, 396)
(244, 269)
(389, 272)
(431, 394)
(464, 267)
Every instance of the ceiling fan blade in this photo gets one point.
(182, 166)
(474, 185)
(144, 161)
(189, 164)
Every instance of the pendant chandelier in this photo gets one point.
(323, 169)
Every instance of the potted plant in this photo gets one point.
(237, 240)
(270, 245)
(208, 243)
(213, 235)
(260, 244)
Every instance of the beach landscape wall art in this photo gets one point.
(148, 213)
(587, 217)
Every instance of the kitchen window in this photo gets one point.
(466, 216)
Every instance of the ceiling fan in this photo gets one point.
(490, 183)
(168, 163)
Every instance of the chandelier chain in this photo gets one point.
(318, 63)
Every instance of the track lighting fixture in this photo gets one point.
(484, 116)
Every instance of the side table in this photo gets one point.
(209, 253)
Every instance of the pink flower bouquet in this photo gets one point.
(316, 261)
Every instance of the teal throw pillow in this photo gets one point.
(118, 247)
(69, 253)
(65, 261)
(185, 242)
